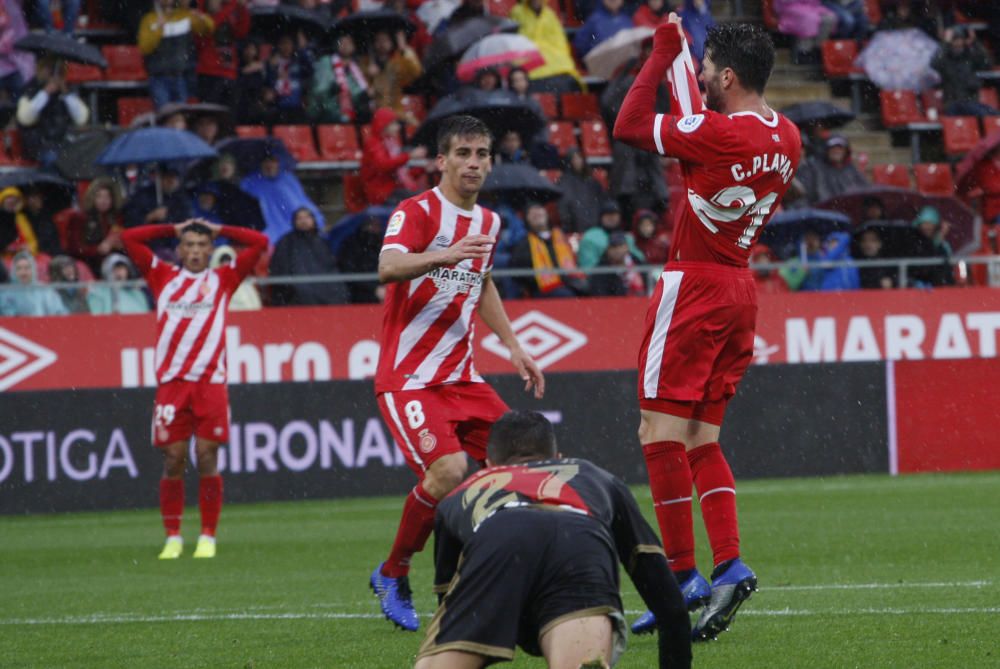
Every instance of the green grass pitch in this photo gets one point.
(867, 572)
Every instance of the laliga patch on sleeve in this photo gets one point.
(689, 124)
(395, 224)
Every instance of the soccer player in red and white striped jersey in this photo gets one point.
(436, 259)
(191, 397)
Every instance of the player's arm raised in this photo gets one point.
(636, 119)
(396, 265)
(492, 312)
(135, 240)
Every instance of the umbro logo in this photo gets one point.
(543, 338)
(21, 358)
(775, 137)
(442, 240)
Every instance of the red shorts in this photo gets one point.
(432, 422)
(698, 341)
(185, 408)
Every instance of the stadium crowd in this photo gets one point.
(257, 80)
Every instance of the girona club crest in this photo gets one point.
(427, 441)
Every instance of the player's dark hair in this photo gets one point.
(519, 435)
(744, 48)
(197, 228)
(461, 125)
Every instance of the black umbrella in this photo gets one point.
(58, 191)
(273, 22)
(899, 238)
(783, 231)
(248, 153)
(363, 25)
(79, 150)
(194, 110)
(821, 113)
(63, 46)
(455, 40)
(500, 110)
(516, 185)
(234, 205)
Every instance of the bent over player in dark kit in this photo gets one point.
(526, 554)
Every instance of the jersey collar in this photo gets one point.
(773, 123)
(448, 203)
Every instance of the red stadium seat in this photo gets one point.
(78, 74)
(339, 142)
(899, 108)
(891, 175)
(595, 140)
(991, 124)
(14, 149)
(961, 133)
(989, 96)
(129, 108)
(838, 58)
(934, 179)
(299, 140)
(933, 99)
(251, 131)
(562, 136)
(124, 63)
(580, 106)
(549, 104)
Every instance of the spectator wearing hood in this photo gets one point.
(302, 252)
(29, 297)
(831, 174)
(113, 298)
(340, 93)
(246, 297)
(628, 281)
(63, 269)
(651, 236)
(205, 203)
(931, 243)
(541, 25)
(166, 40)
(768, 281)
(595, 241)
(16, 233)
(47, 110)
(94, 232)
(582, 194)
(218, 59)
(958, 60)
(544, 249)
(281, 195)
(607, 19)
(384, 172)
(359, 255)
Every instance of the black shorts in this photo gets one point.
(525, 571)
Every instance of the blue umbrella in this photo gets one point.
(783, 231)
(348, 225)
(154, 145)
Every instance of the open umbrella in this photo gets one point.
(899, 238)
(79, 151)
(348, 225)
(362, 26)
(900, 60)
(517, 184)
(605, 59)
(154, 145)
(234, 205)
(193, 111)
(58, 192)
(500, 110)
(455, 40)
(818, 112)
(980, 152)
(61, 46)
(273, 22)
(783, 232)
(501, 51)
(903, 204)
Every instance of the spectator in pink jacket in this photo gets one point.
(806, 20)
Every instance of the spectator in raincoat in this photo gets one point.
(29, 298)
(541, 25)
(107, 298)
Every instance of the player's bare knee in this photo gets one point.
(208, 459)
(173, 466)
(445, 474)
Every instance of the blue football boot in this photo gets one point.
(396, 599)
(696, 591)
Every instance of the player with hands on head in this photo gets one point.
(191, 395)
(436, 261)
(526, 554)
(738, 157)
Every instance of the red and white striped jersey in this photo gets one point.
(427, 327)
(191, 308)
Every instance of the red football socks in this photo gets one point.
(670, 483)
(210, 503)
(717, 495)
(415, 526)
(172, 505)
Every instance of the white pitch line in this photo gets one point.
(881, 586)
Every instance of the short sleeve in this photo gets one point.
(407, 230)
(696, 138)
